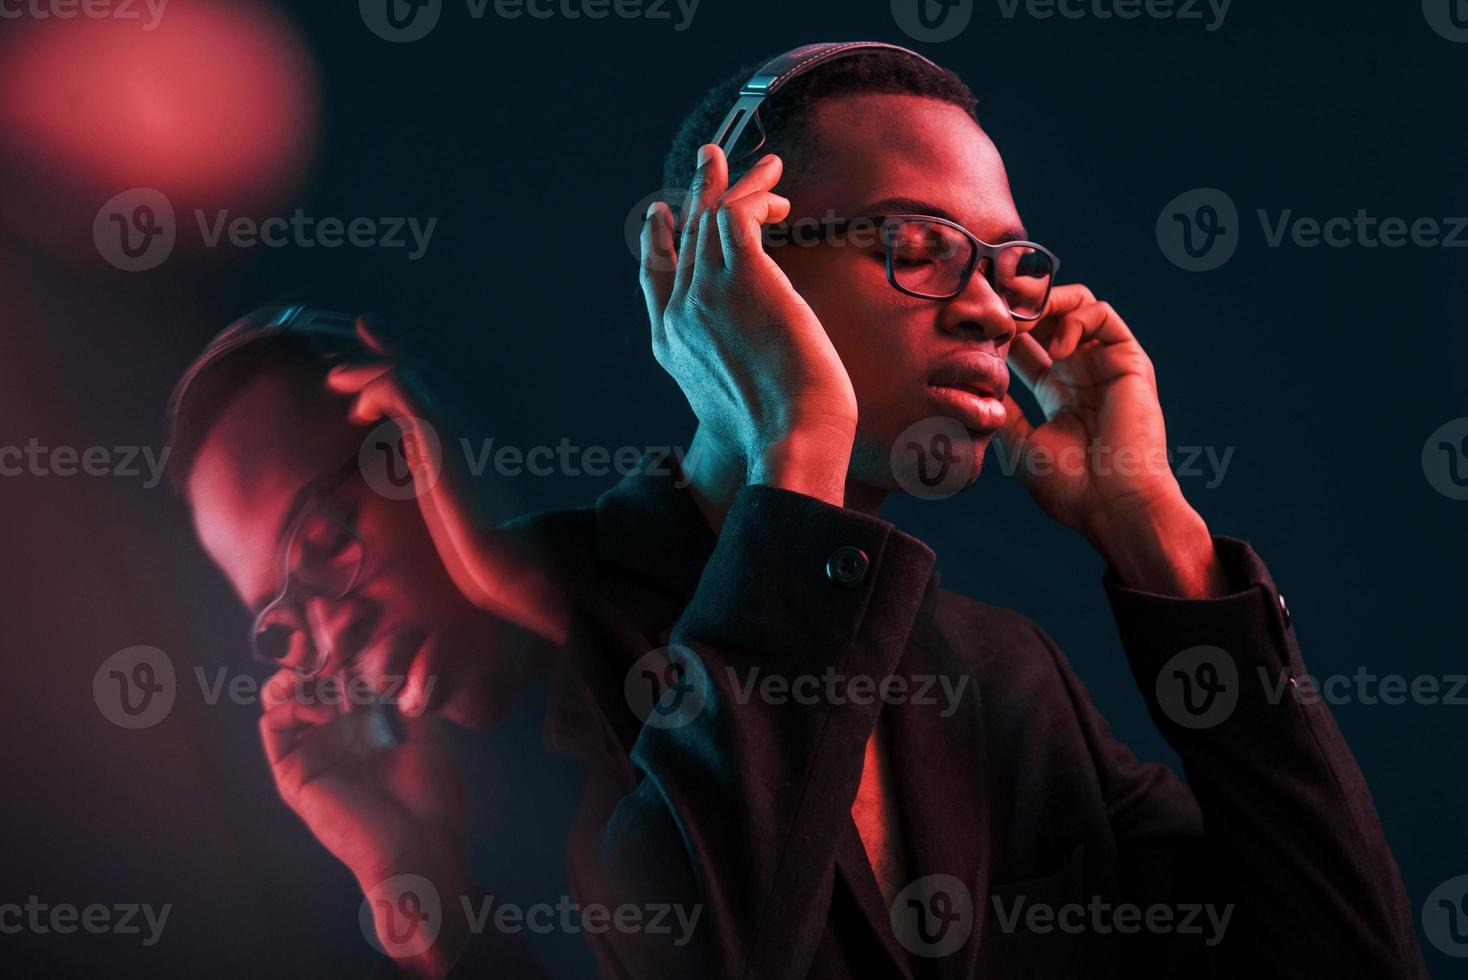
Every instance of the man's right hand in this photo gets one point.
(750, 355)
(382, 810)
(493, 569)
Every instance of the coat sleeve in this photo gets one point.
(1283, 827)
(739, 793)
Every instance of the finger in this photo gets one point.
(297, 714)
(298, 700)
(301, 755)
(278, 688)
(288, 739)
(710, 181)
(659, 264)
(421, 692)
(763, 176)
(1095, 321)
(348, 379)
(372, 330)
(740, 222)
(385, 398)
(1068, 297)
(708, 246)
(1028, 360)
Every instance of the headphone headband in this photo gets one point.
(778, 73)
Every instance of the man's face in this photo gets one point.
(405, 622)
(897, 154)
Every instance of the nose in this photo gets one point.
(336, 630)
(979, 312)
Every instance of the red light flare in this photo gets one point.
(216, 107)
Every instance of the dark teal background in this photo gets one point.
(1325, 370)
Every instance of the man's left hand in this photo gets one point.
(1099, 463)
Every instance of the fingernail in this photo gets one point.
(652, 209)
(705, 154)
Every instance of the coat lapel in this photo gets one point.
(941, 777)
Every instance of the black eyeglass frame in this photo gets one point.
(980, 250)
(292, 588)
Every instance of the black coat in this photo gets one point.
(1018, 798)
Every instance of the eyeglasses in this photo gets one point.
(933, 258)
(321, 556)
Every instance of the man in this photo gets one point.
(852, 837)
(385, 606)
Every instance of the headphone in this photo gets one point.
(776, 75)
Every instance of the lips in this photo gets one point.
(971, 389)
(387, 659)
(981, 374)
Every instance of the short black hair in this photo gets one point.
(786, 112)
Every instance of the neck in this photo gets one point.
(715, 472)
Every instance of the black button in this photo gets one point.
(848, 566)
(1284, 609)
